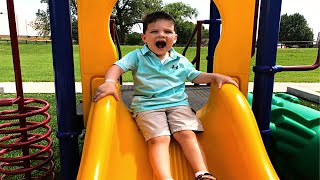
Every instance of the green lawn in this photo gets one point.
(36, 62)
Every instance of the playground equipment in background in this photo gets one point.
(294, 142)
(24, 152)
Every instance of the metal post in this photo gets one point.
(62, 50)
(18, 79)
(214, 34)
(266, 59)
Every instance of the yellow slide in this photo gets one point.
(114, 148)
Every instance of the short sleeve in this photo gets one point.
(128, 62)
(192, 73)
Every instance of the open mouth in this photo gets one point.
(161, 44)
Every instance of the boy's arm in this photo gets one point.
(109, 86)
(220, 79)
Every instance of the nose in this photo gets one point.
(162, 34)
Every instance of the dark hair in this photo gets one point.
(155, 16)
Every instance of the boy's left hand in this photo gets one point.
(221, 79)
(214, 78)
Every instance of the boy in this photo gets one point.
(160, 105)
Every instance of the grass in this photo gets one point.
(36, 63)
(310, 104)
(37, 66)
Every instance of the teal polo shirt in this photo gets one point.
(157, 85)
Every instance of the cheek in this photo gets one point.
(148, 39)
(172, 41)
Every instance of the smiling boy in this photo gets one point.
(160, 105)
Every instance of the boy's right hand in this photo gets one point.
(107, 88)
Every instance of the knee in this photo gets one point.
(159, 140)
(184, 136)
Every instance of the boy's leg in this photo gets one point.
(191, 149)
(154, 127)
(158, 148)
(182, 122)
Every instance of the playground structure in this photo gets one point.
(233, 146)
(294, 141)
(116, 150)
(121, 145)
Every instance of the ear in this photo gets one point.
(143, 37)
(175, 39)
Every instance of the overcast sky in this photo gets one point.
(26, 9)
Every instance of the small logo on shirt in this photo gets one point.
(175, 67)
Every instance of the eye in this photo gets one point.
(153, 32)
(168, 32)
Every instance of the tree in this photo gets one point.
(184, 31)
(42, 22)
(134, 38)
(182, 13)
(127, 13)
(204, 36)
(294, 28)
(74, 20)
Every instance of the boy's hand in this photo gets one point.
(221, 79)
(107, 88)
(214, 78)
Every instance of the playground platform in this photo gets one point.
(198, 95)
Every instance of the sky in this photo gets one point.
(25, 13)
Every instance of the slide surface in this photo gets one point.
(115, 149)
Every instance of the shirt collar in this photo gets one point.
(173, 53)
(145, 50)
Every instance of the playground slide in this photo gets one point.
(115, 149)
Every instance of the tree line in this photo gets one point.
(128, 14)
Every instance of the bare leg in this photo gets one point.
(159, 157)
(192, 150)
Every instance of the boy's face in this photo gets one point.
(160, 37)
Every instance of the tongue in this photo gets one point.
(160, 44)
